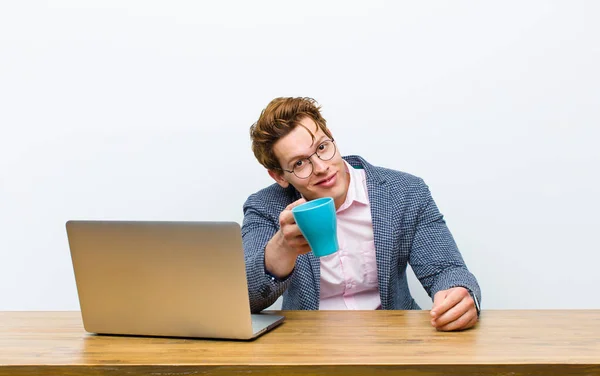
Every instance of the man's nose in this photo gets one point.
(319, 166)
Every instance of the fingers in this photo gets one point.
(444, 300)
(453, 309)
(467, 320)
(304, 249)
(292, 236)
(453, 314)
(437, 301)
(286, 216)
(291, 232)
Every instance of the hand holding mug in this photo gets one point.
(292, 239)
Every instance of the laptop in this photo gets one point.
(172, 279)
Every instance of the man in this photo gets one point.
(386, 220)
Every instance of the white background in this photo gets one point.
(141, 110)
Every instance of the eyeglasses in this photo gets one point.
(303, 168)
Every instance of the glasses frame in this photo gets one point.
(312, 167)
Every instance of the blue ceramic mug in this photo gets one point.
(317, 222)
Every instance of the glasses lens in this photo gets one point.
(303, 169)
(326, 150)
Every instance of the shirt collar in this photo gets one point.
(356, 189)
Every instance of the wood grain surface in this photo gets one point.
(523, 342)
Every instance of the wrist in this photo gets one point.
(279, 261)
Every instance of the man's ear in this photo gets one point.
(278, 177)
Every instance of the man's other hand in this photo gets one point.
(453, 309)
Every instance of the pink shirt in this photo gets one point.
(349, 276)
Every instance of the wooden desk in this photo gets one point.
(324, 343)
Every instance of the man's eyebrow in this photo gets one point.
(323, 138)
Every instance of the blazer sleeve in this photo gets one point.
(434, 256)
(257, 229)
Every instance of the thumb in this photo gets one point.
(438, 298)
(296, 203)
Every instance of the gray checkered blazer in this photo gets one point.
(407, 227)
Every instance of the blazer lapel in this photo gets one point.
(382, 231)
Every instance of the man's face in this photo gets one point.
(328, 179)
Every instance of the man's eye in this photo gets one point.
(322, 147)
(299, 163)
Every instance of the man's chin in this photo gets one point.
(320, 194)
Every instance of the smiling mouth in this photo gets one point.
(325, 181)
